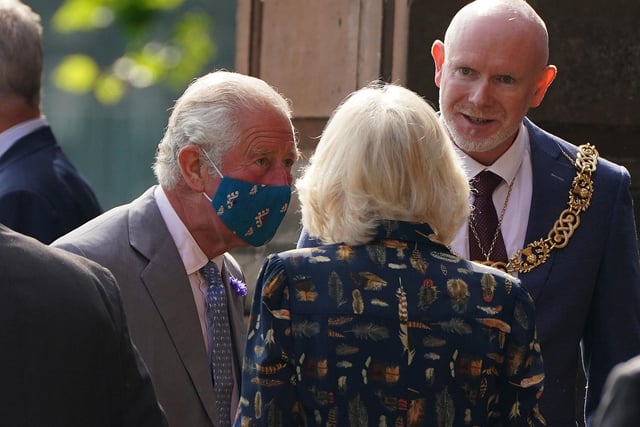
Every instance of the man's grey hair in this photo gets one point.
(207, 115)
(21, 54)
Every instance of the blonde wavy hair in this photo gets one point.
(383, 155)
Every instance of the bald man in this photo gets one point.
(572, 244)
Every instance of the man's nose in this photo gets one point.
(480, 92)
(279, 175)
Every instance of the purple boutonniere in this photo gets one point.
(239, 286)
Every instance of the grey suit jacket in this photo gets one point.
(134, 243)
(619, 405)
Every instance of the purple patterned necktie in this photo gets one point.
(485, 220)
(219, 341)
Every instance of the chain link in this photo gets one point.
(538, 252)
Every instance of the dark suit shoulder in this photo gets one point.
(57, 271)
(43, 194)
(65, 337)
(556, 146)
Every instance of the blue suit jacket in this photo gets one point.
(588, 293)
(41, 192)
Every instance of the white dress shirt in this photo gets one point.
(514, 165)
(192, 256)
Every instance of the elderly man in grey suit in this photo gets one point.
(224, 167)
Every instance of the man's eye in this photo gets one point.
(262, 161)
(465, 71)
(288, 162)
(506, 79)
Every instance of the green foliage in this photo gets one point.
(166, 42)
(76, 74)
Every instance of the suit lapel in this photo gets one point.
(238, 328)
(236, 312)
(552, 178)
(168, 286)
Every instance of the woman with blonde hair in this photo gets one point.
(381, 324)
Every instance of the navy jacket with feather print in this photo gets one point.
(398, 331)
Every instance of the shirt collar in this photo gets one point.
(507, 166)
(10, 136)
(192, 256)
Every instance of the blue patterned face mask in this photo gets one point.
(251, 211)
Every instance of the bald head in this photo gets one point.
(491, 68)
(515, 19)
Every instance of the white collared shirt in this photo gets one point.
(10, 136)
(192, 256)
(514, 164)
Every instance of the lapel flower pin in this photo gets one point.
(239, 286)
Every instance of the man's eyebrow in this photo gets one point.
(269, 150)
(261, 150)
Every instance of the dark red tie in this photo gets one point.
(487, 239)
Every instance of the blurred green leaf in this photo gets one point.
(141, 69)
(191, 35)
(163, 4)
(166, 41)
(109, 89)
(76, 74)
(82, 15)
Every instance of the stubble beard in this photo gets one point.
(470, 144)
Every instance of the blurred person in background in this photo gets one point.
(41, 193)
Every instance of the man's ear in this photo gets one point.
(437, 52)
(194, 170)
(544, 81)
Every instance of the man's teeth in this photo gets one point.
(476, 121)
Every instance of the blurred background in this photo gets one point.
(110, 79)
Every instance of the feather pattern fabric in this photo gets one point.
(341, 335)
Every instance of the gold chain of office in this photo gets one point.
(538, 252)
